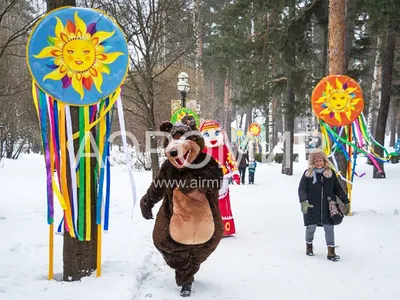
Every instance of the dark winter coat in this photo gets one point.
(244, 159)
(326, 186)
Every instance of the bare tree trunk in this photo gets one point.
(375, 89)
(337, 58)
(226, 101)
(272, 126)
(52, 4)
(289, 111)
(249, 118)
(387, 74)
(287, 162)
(398, 124)
(19, 150)
(199, 47)
(337, 36)
(213, 104)
(350, 17)
(393, 121)
(9, 147)
(155, 165)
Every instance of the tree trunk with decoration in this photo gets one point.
(79, 257)
(337, 59)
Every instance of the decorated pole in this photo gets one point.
(337, 60)
(78, 59)
(338, 103)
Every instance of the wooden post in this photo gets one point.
(337, 63)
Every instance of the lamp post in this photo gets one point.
(183, 86)
(1, 140)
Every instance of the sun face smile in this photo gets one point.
(338, 102)
(79, 55)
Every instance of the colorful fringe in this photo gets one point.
(352, 140)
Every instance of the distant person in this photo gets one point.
(252, 170)
(319, 184)
(243, 160)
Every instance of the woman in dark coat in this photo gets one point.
(318, 184)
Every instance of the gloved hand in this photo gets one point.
(305, 206)
(236, 179)
(346, 208)
(146, 209)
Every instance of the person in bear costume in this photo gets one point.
(188, 226)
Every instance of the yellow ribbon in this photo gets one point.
(113, 99)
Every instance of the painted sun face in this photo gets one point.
(79, 55)
(338, 102)
(213, 137)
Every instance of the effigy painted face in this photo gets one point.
(212, 134)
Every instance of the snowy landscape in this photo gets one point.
(265, 260)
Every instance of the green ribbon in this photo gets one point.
(342, 139)
(81, 204)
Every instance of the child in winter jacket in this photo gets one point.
(252, 170)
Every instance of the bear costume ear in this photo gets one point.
(166, 126)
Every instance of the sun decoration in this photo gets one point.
(78, 56)
(337, 100)
(254, 129)
(180, 113)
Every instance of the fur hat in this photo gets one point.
(318, 154)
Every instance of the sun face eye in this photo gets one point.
(333, 98)
(86, 52)
(70, 51)
(343, 98)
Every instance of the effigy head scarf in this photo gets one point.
(78, 57)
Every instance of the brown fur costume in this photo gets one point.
(188, 226)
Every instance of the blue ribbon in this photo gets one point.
(108, 177)
(102, 169)
(43, 128)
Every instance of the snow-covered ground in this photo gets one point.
(266, 260)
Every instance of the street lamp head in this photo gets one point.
(183, 84)
(183, 76)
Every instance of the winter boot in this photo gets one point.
(309, 249)
(331, 254)
(186, 290)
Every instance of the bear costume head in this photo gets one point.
(184, 144)
(212, 133)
